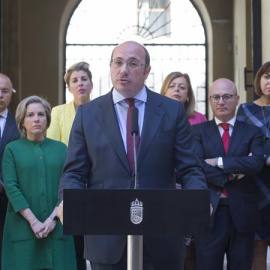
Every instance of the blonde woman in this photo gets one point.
(79, 81)
(177, 86)
(32, 168)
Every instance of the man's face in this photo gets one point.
(223, 99)
(128, 71)
(5, 92)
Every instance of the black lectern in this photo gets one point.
(136, 212)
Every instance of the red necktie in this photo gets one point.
(226, 141)
(130, 149)
(225, 136)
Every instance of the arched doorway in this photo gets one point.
(172, 31)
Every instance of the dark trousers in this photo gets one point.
(147, 264)
(79, 248)
(224, 239)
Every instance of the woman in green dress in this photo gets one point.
(32, 167)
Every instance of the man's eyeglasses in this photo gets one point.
(225, 98)
(132, 64)
(5, 91)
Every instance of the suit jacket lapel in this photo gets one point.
(237, 135)
(152, 119)
(215, 138)
(107, 119)
(8, 130)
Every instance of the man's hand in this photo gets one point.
(60, 212)
(268, 161)
(211, 161)
(240, 176)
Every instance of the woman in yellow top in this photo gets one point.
(79, 81)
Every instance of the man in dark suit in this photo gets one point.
(231, 159)
(97, 155)
(8, 132)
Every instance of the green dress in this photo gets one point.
(31, 173)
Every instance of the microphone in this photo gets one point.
(134, 121)
(134, 133)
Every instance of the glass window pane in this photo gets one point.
(172, 31)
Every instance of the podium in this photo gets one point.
(136, 212)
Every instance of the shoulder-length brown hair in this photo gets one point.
(190, 103)
(265, 68)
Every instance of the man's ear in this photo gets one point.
(147, 71)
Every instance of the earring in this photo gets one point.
(23, 132)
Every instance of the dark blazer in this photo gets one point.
(242, 197)
(96, 157)
(10, 134)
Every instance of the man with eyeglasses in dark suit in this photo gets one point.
(98, 155)
(232, 154)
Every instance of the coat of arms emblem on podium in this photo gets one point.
(136, 212)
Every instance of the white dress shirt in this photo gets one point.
(121, 108)
(3, 120)
(221, 130)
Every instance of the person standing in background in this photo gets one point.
(32, 166)
(232, 154)
(257, 113)
(79, 81)
(8, 133)
(177, 86)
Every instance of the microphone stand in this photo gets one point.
(136, 184)
(135, 242)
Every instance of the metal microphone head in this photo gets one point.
(134, 121)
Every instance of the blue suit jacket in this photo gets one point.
(242, 197)
(97, 158)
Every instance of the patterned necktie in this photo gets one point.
(225, 136)
(130, 149)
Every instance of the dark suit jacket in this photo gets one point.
(242, 197)
(10, 134)
(96, 157)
